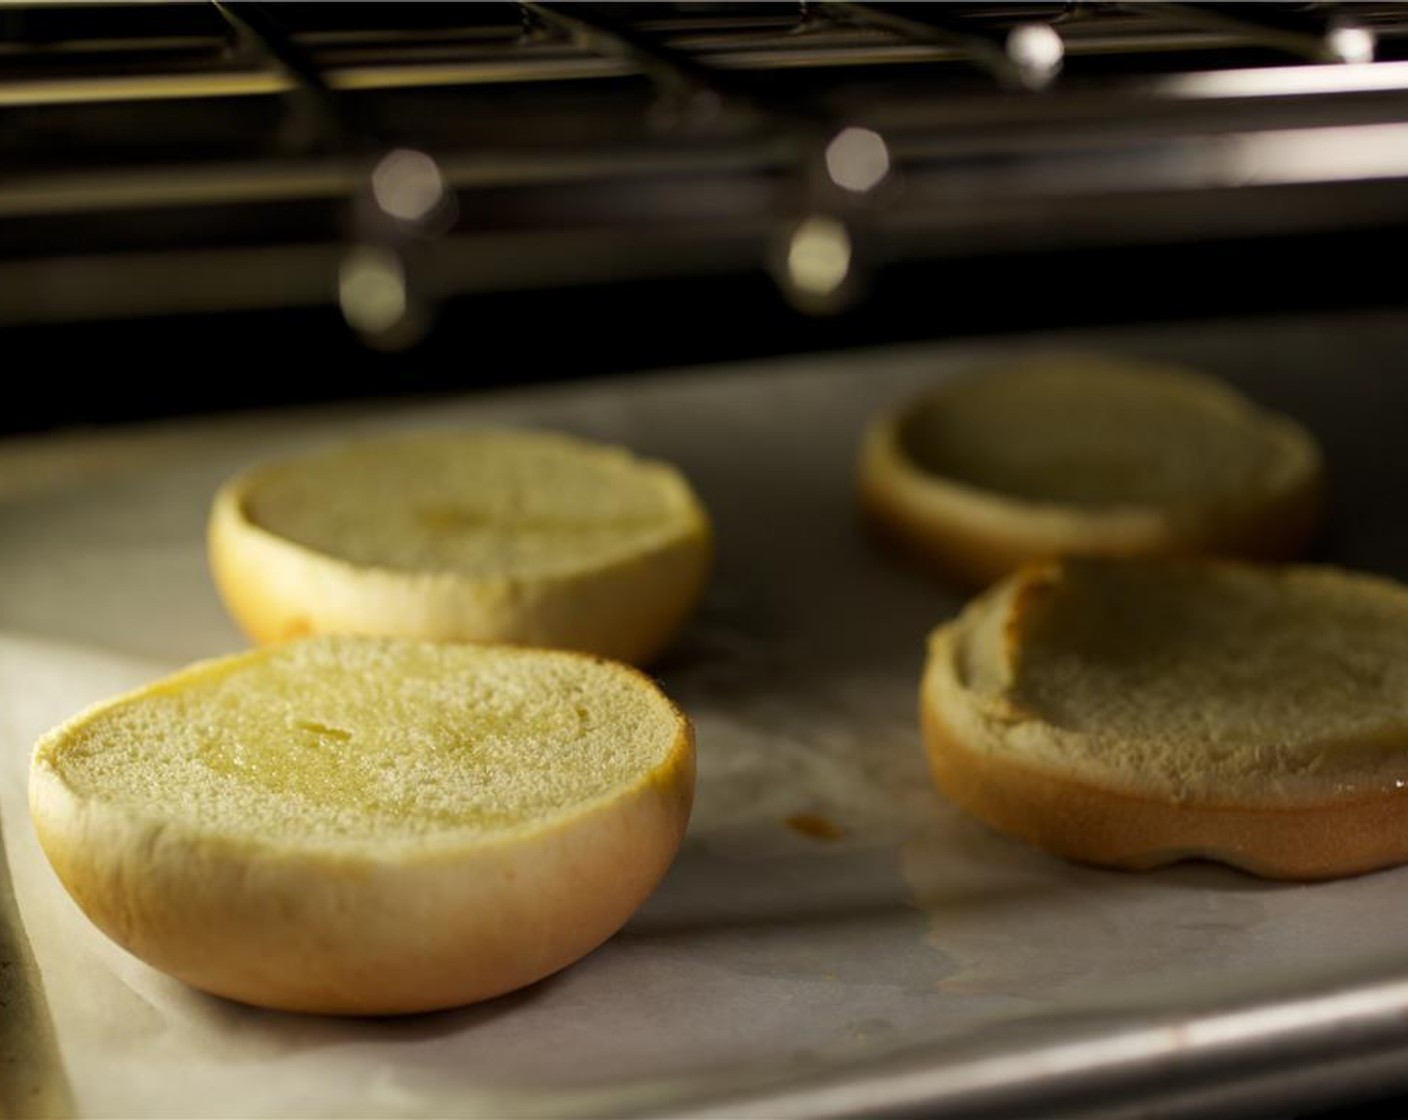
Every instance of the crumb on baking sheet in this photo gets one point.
(815, 825)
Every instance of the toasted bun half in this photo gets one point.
(1136, 713)
(528, 538)
(1087, 456)
(367, 826)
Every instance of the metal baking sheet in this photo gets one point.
(834, 939)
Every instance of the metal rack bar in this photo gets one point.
(309, 93)
(404, 194)
(1377, 94)
(944, 215)
(815, 262)
(1317, 36)
(674, 72)
(830, 49)
(996, 50)
(984, 169)
(677, 73)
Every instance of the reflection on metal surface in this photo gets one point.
(1351, 43)
(818, 258)
(371, 288)
(858, 160)
(144, 87)
(1323, 155)
(1278, 1042)
(1037, 51)
(407, 185)
(1287, 81)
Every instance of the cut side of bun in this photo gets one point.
(521, 537)
(1087, 456)
(1137, 713)
(367, 826)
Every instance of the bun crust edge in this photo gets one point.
(976, 536)
(1306, 841)
(366, 931)
(629, 611)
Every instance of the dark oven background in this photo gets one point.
(209, 206)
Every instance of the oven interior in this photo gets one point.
(308, 201)
(217, 206)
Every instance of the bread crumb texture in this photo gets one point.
(356, 741)
(478, 503)
(1215, 681)
(1099, 433)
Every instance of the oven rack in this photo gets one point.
(176, 158)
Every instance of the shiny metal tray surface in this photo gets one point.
(900, 961)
